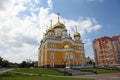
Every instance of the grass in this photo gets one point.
(38, 71)
(39, 78)
(13, 76)
(100, 71)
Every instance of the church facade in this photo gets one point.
(59, 49)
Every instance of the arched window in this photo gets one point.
(71, 55)
(52, 56)
(66, 56)
(81, 57)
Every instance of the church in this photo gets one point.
(59, 49)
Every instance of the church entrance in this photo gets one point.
(52, 64)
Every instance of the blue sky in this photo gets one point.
(107, 13)
(23, 22)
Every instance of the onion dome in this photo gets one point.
(77, 34)
(45, 33)
(67, 46)
(50, 29)
(59, 25)
(64, 29)
(41, 40)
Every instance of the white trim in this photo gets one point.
(53, 49)
(63, 40)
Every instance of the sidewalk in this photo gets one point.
(108, 76)
(4, 70)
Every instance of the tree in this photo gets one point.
(5, 63)
(90, 61)
(28, 64)
(23, 64)
(1, 59)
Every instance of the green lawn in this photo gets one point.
(39, 78)
(38, 71)
(100, 71)
(13, 76)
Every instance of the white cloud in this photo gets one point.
(2, 4)
(37, 1)
(20, 34)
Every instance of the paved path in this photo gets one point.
(79, 74)
(74, 72)
(109, 76)
(3, 70)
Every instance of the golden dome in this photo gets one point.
(41, 40)
(64, 29)
(59, 25)
(68, 46)
(77, 34)
(50, 29)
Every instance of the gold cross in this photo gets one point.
(51, 23)
(58, 17)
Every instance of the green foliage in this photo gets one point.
(4, 63)
(100, 71)
(27, 64)
(7, 64)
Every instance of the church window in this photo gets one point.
(80, 48)
(52, 45)
(66, 56)
(71, 55)
(81, 57)
(52, 56)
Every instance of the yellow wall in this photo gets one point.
(59, 56)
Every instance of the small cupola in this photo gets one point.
(77, 36)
